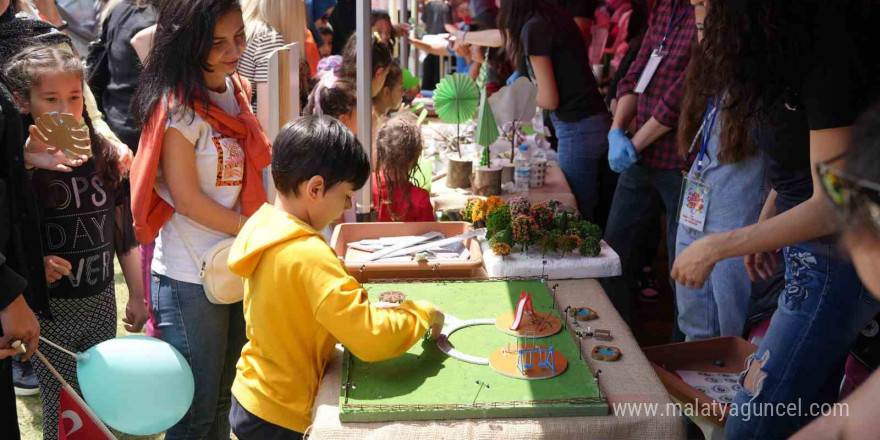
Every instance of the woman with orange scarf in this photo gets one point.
(196, 178)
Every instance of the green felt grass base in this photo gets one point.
(425, 384)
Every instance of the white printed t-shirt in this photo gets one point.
(220, 168)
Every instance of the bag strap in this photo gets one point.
(192, 253)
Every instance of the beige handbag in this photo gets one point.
(220, 284)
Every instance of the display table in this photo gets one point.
(629, 380)
(555, 188)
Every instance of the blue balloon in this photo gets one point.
(136, 384)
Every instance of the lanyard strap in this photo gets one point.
(673, 23)
(711, 114)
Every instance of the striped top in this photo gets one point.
(254, 62)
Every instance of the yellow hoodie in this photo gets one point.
(298, 301)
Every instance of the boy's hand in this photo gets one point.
(437, 325)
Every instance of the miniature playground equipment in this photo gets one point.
(527, 353)
(524, 306)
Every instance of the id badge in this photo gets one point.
(650, 69)
(694, 203)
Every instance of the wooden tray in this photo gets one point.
(366, 271)
(699, 356)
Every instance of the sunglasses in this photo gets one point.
(850, 194)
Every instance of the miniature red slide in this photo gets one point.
(525, 305)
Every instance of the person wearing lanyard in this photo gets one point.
(724, 190)
(791, 88)
(650, 92)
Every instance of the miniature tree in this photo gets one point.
(502, 249)
(525, 231)
(560, 220)
(467, 213)
(568, 243)
(543, 215)
(493, 203)
(497, 220)
(590, 247)
(502, 236)
(555, 205)
(478, 212)
(519, 206)
(548, 242)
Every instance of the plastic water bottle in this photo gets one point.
(522, 168)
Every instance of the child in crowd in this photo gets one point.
(382, 59)
(395, 198)
(299, 300)
(84, 215)
(391, 94)
(326, 41)
(336, 98)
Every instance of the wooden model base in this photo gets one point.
(504, 360)
(534, 325)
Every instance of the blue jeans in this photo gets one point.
(210, 338)
(822, 309)
(582, 145)
(632, 211)
(736, 195)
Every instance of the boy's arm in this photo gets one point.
(340, 304)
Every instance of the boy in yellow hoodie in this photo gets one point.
(299, 300)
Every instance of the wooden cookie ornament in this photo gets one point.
(62, 132)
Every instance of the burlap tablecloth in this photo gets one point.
(555, 188)
(631, 380)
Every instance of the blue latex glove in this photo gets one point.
(621, 152)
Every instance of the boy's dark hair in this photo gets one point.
(381, 53)
(317, 146)
(184, 38)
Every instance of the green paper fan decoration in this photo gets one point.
(409, 80)
(487, 128)
(456, 99)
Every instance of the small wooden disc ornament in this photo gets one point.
(605, 353)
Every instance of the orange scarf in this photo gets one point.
(150, 212)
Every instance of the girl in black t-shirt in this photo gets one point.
(82, 222)
(548, 39)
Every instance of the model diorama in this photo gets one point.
(501, 354)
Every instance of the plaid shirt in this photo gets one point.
(663, 96)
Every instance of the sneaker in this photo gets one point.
(24, 378)
(647, 282)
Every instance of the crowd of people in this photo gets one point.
(756, 116)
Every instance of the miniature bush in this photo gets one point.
(502, 249)
(590, 247)
(497, 220)
(568, 243)
(519, 206)
(502, 236)
(525, 231)
(543, 215)
(548, 242)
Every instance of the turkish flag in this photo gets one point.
(75, 423)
